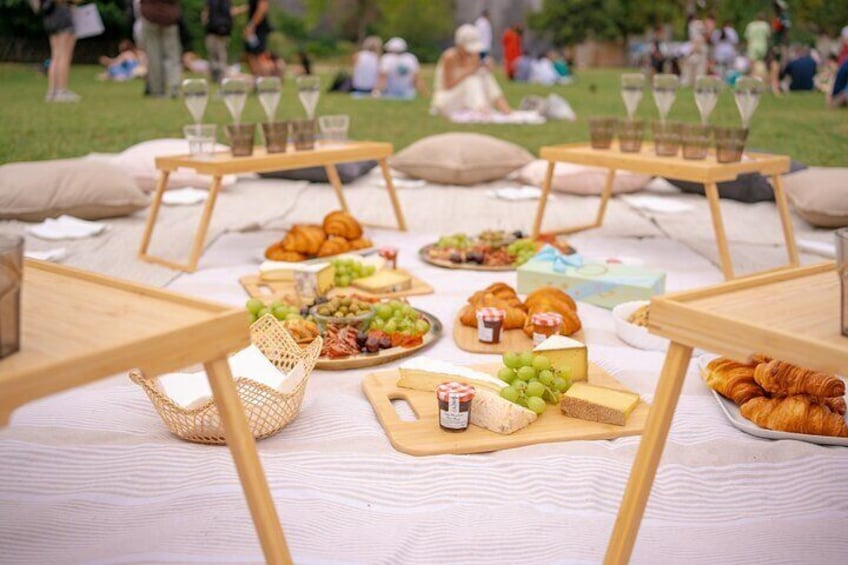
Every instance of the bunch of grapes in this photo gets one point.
(279, 310)
(533, 382)
(349, 269)
(396, 317)
(456, 241)
(522, 249)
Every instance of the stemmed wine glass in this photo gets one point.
(632, 89)
(707, 89)
(665, 91)
(234, 92)
(268, 92)
(196, 96)
(308, 91)
(747, 93)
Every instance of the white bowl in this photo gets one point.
(633, 335)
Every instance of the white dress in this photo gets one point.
(366, 70)
(477, 93)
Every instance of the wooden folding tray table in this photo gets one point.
(709, 172)
(220, 164)
(79, 327)
(791, 315)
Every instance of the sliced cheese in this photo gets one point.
(424, 373)
(384, 281)
(496, 414)
(598, 404)
(277, 270)
(565, 352)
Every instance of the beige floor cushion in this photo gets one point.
(138, 161)
(581, 180)
(33, 191)
(820, 194)
(460, 158)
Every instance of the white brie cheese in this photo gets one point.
(424, 373)
(496, 414)
(277, 270)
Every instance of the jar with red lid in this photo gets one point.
(545, 324)
(454, 406)
(490, 324)
(390, 255)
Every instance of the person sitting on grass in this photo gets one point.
(839, 95)
(366, 65)
(129, 63)
(464, 81)
(400, 75)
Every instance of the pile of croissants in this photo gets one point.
(338, 233)
(777, 395)
(518, 313)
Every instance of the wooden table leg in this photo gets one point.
(543, 201)
(648, 456)
(711, 190)
(153, 213)
(203, 227)
(785, 220)
(606, 193)
(243, 449)
(336, 182)
(390, 186)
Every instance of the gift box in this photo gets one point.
(606, 285)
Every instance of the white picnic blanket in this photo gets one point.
(92, 476)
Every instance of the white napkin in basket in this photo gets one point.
(190, 390)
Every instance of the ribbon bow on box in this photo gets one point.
(560, 261)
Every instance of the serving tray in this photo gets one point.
(422, 253)
(284, 290)
(465, 338)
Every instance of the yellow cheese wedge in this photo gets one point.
(384, 281)
(496, 414)
(317, 275)
(598, 404)
(423, 373)
(565, 352)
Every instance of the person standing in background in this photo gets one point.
(256, 35)
(757, 35)
(511, 44)
(217, 18)
(60, 29)
(161, 35)
(484, 26)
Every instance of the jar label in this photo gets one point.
(484, 334)
(453, 420)
(538, 338)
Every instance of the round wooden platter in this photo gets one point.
(465, 338)
(385, 355)
(422, 253)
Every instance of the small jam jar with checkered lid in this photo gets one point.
(454, 406)
(489, 324)
(545, 324)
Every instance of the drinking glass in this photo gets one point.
(234, 93)
(276, 136)
(632, 90)
(196, 96)
(601, 132)
(11, 277)
(667, 138)
(695, 139)
(747, 93)
(241, 139)
(303, 134)
(842, 269)
(665, 91)
(201, 139)
(334, 128)
(707, 89)
(730, 143)
(268, 91)
(308, 91)
(630, 135)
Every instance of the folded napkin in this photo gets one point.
(526, 192)
(656, 204)
(52, 255)
(66, 227)
(190, 390)
(823, 248)
(404, 183)
(184, 196)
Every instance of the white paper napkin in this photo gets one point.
(52, 255)
(66, 227)
(526, 192)
(404, 183)
(184, 196)
(656, 204)
(823, 248)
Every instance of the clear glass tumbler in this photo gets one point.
(11, 278)
(241, 139)
(601, 132)
(276, 136)
(201, 139)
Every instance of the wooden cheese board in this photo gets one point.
(465, 338)
(424, 437)
(385, 355)
(423, 253)
(284, 290)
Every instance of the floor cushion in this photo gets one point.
(820, 195)
(460, 158)
(138, 161)
(580, 179)
(347, 172)
(33, 191)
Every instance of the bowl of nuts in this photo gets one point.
(342, 311)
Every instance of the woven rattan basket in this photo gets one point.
(268, 410)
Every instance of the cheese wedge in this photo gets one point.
(384, 281)
(424, 373)
(565, 352)
(598, 404)
(496, 414)
(277, 270)
(316, 279)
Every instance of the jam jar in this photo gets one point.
(454, 406)
(545, 324)
(490, 324)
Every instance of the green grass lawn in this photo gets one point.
(113, 116)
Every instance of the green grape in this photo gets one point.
(405, 325)
(280, 312)
(535, 389)
(560, 384)
(526, 373)
(546, 377)
(254, 305)
(511, 360)
(519, 385)
(396, 304)
(527, 359)
(422, 326)
(370, 270)
(262, 312)
(378, 323)
(564, 372)
(384, 311)
(510, 393)
(391, 326)
(275, 304)
(406, 309)
(541, 363)
(551, 396)
(397, 315)
(344, 280)
(536, 404)
(506, 374)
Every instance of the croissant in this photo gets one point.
(277, 253)
(361, 243)
(333, 246)
(784, 379)
(306, 239)
(733, 380)
(836, 404)
(507, 296)
(343, 225)
(550, 293)
(798, 414)
(514, 319)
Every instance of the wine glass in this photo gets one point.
(308, 91)
(707, 89)
(665, 91)
(234, 92)
(268, 92)
(196, 96)
(632, 88)
(747, 92)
